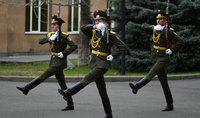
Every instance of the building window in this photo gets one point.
(74, 15)
(37, 14)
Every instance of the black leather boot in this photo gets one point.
(70, 104)
(107, 108)
(29, 86)
(71, 91)
(169, 107)
(168, 96)
(139, 84)
(108, 116)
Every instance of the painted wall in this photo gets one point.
(12, 27)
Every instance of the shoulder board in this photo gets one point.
(65, 33)
(113, 32)
(171, 28)
(49, 34)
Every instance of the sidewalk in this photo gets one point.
(31, 58)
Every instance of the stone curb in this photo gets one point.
(107, 78)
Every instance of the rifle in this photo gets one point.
(108, 25)
(60, 21)
(167, 25)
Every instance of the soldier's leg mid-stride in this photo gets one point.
(49, 72)
(58, 42)
(161, 50)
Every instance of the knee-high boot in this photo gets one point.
(139, 84)
(170, 106)
(29, 86)
(71, 91)
(169, 99)
(70, 104)
(107, 108)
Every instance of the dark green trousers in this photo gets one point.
(159, 68)
(59, 76)
(97, 75)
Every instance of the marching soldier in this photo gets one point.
(160, 56)
(59, 53)
(100, 59)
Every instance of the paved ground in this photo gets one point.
(45, 102)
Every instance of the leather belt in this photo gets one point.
(99, 53)
(159, 48)
(54, 53)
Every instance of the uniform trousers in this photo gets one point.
(96, 75)
(59, 76)
(159, 68)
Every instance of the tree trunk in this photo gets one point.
(83, 47)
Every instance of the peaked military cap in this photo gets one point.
(161, 14)
(56, 20)
(100, 15)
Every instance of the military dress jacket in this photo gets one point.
(159, 42)
(100, 47)
(56, 47)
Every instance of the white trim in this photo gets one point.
(38, 31)
(31, 11)
(48, 8)
(72, 19)
(79, 16)
(74, 32)
(35, 32)
(39, 15)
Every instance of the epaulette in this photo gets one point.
(113, 32)
(171, 28)
(49, 34)
(68, 38)
(65, 33)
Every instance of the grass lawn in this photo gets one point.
(37, 68)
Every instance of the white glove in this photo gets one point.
(100, 26)
(158, 28)
(168, 51)
(110, 57)
(60, 55)
(53, 37)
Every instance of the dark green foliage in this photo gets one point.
(184, 18)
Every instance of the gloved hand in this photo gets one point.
(60, 55)
(100, 26)
(168, 51)
(53, 37)
(158, 28)
(110, 57)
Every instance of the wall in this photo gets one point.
(12, 27)
(98, 5)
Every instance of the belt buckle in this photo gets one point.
(98, 53)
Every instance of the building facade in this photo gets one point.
(24, 22)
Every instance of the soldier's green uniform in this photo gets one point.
(98, 62)
(56, 65)
(160, 60)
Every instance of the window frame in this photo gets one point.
(72, 19)
(31, 31)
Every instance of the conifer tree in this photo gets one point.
(184, 18)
